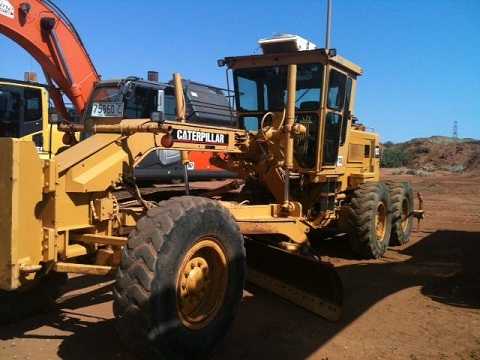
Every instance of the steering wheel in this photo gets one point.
(264, 128)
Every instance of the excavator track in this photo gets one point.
(303, 281)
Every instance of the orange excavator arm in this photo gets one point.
(45, 32)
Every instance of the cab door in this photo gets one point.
(307, 104)
(11, 110)
(32, 112)
(336, 119)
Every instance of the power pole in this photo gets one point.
(455, 129)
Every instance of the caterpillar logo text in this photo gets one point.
(200, 137)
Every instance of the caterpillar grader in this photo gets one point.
(181, 262)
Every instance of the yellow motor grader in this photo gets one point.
(181, 263)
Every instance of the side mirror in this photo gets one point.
(159, 115)
(128, 90)
(161, 100)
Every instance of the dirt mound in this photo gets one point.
(433, 154)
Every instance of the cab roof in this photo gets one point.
(304, 56)
(21, 82)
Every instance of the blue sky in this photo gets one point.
(421, 58)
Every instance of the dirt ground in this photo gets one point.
(422, 301)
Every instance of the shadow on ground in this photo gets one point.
(444, 264)
(92, 337)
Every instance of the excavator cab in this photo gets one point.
(136, 98)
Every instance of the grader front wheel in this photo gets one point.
(180, 280)
(201, 283)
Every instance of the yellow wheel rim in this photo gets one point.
(380, 222)
(201, 283)
(405, 215)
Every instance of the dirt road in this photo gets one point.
(422, 301)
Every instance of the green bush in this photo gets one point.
(394, 157)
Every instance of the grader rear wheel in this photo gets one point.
(401, 194)
(369, 220)
(180, 280)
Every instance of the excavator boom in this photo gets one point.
(46, 33)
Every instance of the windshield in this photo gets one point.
(265, 89)
(134, 102)
(106, 102)
(107, 94)
(260, 89)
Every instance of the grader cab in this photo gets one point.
(180, 263)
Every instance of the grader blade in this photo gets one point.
(306, 282)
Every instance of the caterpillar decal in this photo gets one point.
(200, 137)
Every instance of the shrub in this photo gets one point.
(394, 157)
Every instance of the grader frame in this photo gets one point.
(70, 206)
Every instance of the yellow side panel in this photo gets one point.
(21, 181)
(356, 152)
(6, 228)
(98, 172)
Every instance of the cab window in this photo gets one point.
(141, 103)
(260, 89)
(250, 123)
(265, 89)
(309, 86)
(10, 104)
(336, 90)
(335, 120)
(170, 106)
(348, 97)
(332, 131)
(33, 105)
(308, 95)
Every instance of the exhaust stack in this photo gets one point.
(152, 76)
(329, 26)
(30, 76)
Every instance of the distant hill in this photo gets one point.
(433, 154)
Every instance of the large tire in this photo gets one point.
(401, 194)
(370, 220)
(34, 298)
(156, 316)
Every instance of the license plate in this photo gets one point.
(107, 109)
